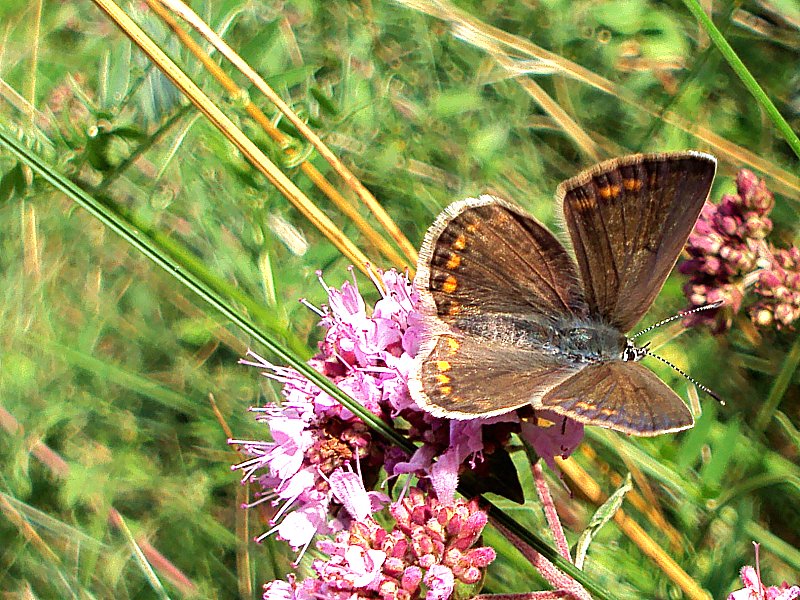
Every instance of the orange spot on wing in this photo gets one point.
(609, 191)
(632, 184)
(443, 365)
(471, 228)
(453, 344)
(450, 284)
(453, 309)
(445, 389)
(453, 261)
(442, 378)
(460, 242)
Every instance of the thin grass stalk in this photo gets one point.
(37, 29)
(744, 74)
(646, 502)
(256, 157)
(582, 139)
(281, 139)
(634, 531)
(779, 386)
(347, 176)
(141, 560)
(28, 532)
(487, 37)
(183, 275)
(16, 100)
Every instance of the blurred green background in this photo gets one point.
(109, 362)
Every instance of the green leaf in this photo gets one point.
(116, 75)
(603, 515)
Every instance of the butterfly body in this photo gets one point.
(513, 318)
(578, 340)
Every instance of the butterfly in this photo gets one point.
(513, 318)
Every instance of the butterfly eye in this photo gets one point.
(633, 354)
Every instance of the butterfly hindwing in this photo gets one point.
(463, 376)
(625, 396)
(628, 220)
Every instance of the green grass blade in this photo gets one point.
(779, 387)
(744, 74)
(147, 246)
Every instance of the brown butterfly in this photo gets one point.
(512, 320)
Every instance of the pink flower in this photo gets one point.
(552, 435)
(430, 543)
(440, 581)
(755, 590)
(729, 254)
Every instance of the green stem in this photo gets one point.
(779, 386)
(741, 70)
(147, 246)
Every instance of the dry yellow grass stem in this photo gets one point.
(645, 502)
(586, 144)
(488, 38)
(281, 139)
(634, 531)
(27, 531)
(347, 176)
(234, 134)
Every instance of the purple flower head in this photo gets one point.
(321, 460)
(428, 552)
(726, 249)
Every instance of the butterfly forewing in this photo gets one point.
(628, 220)
(625, 396)
(486, 256)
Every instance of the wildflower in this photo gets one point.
(306, 471)
(725, 245)
(779, 288)
(729, 253)
(428, 553)
(552, 435)
(754, 590)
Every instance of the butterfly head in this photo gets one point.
(632, 352)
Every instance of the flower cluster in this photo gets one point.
(779, 288)
(729, 253)
(726, 245)
(428, 552)
(755, 590)
(306, 470)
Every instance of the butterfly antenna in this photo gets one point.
(707, 390)
(680, 315)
